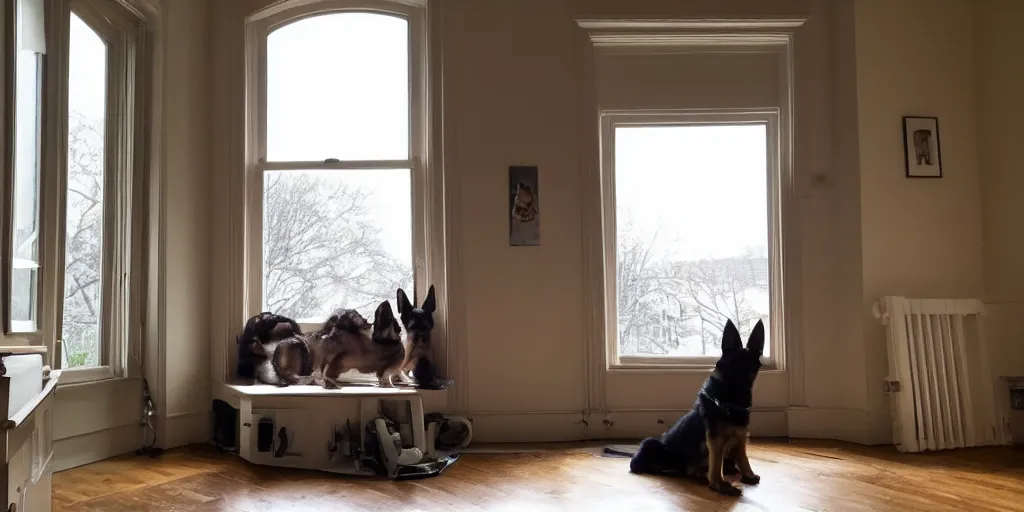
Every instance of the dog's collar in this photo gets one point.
(728, 407)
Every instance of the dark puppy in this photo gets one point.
(713, 435)
(257, 342)
(293, 360)
(419, 352)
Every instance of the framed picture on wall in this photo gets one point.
(524, 205)
(922, 151)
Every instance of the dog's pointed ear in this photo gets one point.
(403, 302)
(430, 304)
(731, 338)
(755, 343)
(383, 313)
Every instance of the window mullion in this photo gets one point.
(334, 164)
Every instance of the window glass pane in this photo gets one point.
(25, 239)
(692, 236)
(83, 243)
(335, 239)
(338, 87)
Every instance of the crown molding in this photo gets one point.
(720, 24)
(771, 32)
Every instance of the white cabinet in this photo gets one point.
(28, 435)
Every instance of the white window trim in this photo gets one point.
(778, 182)
(123, 29)
(259, 27)
(17, 332)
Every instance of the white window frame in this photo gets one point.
(259, 27)
(777, 183)
(16, 332)
(124, 31)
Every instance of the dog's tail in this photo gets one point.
(650, 458)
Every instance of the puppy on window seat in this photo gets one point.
(257, 344)
(346, 342)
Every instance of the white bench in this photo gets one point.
(311, 415)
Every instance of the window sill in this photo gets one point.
(66, 382)
(691, 365)
(73, 376)
(676, 369)
(249, 390)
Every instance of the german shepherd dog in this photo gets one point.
(419, 353)
(258, 342)
(712, 437)
(345, 342)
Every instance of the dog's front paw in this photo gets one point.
(752, 479)
(725, 488)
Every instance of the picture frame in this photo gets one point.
(524, 206)
(922, 147)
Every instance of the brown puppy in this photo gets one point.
(348, 342)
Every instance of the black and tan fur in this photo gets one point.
(257, 344)
(348, 342)
(711, 439)
(419, 351)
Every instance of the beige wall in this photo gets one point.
(920, 238)
(186, 221)
(515, 93)
(998, 39)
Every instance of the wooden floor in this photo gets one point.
(794, 476)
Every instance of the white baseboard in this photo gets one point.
(544, 427)
(640, 424)
(518, 427)
(186, 428)
(76, 451)
(842, 424)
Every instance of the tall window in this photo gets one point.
(693, 230)
(337, 152)
(25, 228)
(96, 191)
(84, 196)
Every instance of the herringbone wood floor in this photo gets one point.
(800, 475)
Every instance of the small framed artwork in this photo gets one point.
(921, 148)
(523, 206)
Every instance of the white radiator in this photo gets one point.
(940, 384)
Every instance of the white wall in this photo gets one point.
(920, 238)
(186, 221)
(1000, 80)
(512, 95)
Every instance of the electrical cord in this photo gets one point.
(148, 410)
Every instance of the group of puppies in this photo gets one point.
(708, 443)
(272, 348)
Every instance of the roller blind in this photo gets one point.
(31, 16)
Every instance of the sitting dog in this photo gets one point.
(712, 437)
(258, 342)
(419, 353)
